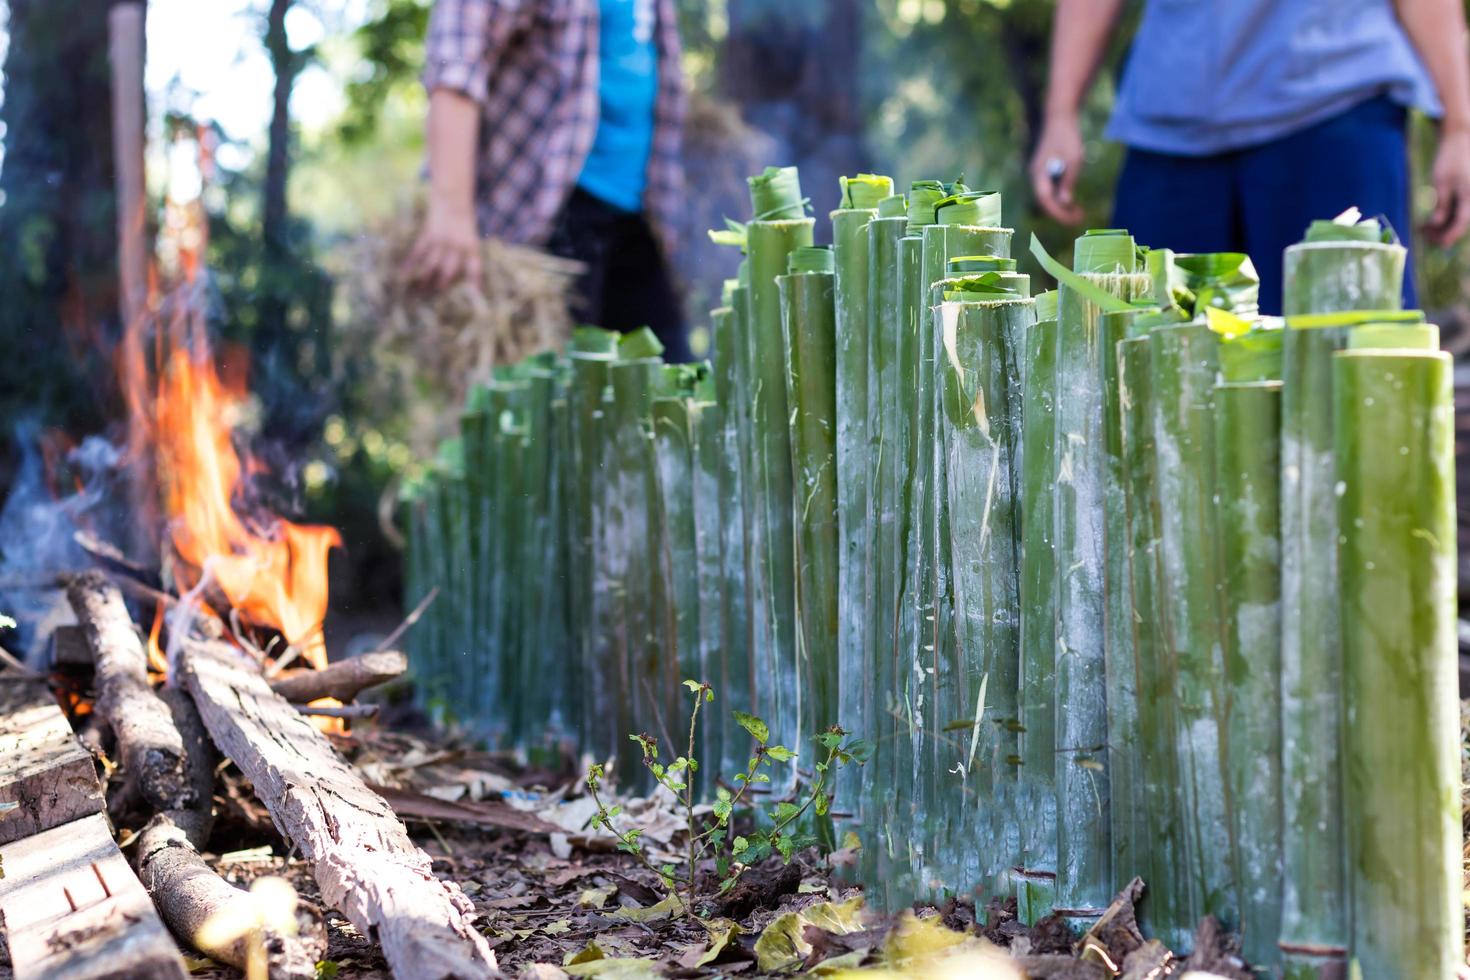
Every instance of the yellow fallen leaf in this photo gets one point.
(783, 945)
(722, 933)
(595, 898)
(669, 907)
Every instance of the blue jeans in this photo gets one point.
(1260, 200)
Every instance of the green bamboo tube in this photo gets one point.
(1166, 907)
(967, 225)
(1248, 441)
(717, 664)
(473, 422)
(564, 731)
(778, 231)
(1129, 829)
(753, 512)
(734, 680)
(808, 312)
(880, 708)
(1394, 423)
(854, 331)
(952, 715)
(1185, 362)
(1343, 267)
(1104, 262)
(533, 705)
(590, 357)
(505, 435)
(678, 559)
(1314, 927)
(1036, 701)
(432, 673)
(906, 826)
(631, 544)
(674, 594)
(980, 431)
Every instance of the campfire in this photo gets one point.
(222, 652)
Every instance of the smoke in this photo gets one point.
(38, 530)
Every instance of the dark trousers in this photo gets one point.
(627, 283)
(1260, 200)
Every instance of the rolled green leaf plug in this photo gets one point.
(775, 194)
(865, 191)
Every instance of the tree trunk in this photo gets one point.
(58, 221)
(285, 64)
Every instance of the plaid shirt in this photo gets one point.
(532, 65)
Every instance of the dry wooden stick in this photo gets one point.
(44, 772)
(150, 747)
(187, 891)
(362, 857)
(343, 680)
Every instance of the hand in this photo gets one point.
(1451, 178)
(447, 249)
(1061, 139)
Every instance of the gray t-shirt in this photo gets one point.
(1209, 76)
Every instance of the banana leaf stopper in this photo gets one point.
(865, 191)
(640, 344)
(965, 264)
(894, 206)
(1105, 251)
(1351, 226)
(1046, 305)
(811, 258)
(594, 340)
(775, 195)
(924, 198)
(985, 286)
(977, 209)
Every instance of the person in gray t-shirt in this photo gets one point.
(1246, 119)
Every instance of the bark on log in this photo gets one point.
(343, 680)
(186, 890)
(72, 909)
(43, 769)
(150, 747)
(362, 857)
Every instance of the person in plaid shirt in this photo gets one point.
(557, 123)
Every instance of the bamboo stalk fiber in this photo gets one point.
(631, 540)
(1165, 910)
(905, 826)
(537, 559)
(1314, 927)
(809, 327)
(777, 231)
(1248, 443)
(1185, 362)
(590, 357)
(884, 529)
(980, 431)
(1036, 685)
(734, 678)
(1394, 424)
(1104, 261)
(716, 662)
(854, 335)
(1128, 812)
(966, 224)
(678, 563)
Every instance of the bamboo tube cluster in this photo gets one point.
(1121, 580)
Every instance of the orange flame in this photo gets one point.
(275, 574)
(182, 416)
